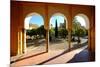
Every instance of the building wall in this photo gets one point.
(14, 30)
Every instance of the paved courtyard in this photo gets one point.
(58, 53)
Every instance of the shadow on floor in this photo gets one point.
(84, 44)
(28, 57)
(83, 56)
(53, 57)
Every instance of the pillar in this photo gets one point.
(69, 27)
(19, 42)
(89, 38)
(92, 35)
(23, 40)
(24, 48)
(47, 27)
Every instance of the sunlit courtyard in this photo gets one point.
(51, 33)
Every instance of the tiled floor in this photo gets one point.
(53, 57)
(65, 57)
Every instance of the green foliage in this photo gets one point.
(78, 30)
(51, 33)
(63, 32)
(60, 31)
(86, 32)
(31, 32)
(39, 31)
(64, 24)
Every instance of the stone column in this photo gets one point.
(47, 27)
(69, 27)
(89, 38)
(69, 39)
(92, 35)
(25, 50)
(19, 42)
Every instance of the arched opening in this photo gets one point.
(80, 31)
(58, 32)
(35, 34)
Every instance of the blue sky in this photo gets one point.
(35, 19)
(60, 19)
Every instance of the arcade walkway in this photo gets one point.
(55, 57)
(83, 56)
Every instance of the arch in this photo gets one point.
(60, 14)
(28, 18)
(83, 38)
(85, 17)
(27, 25)
(58, 32)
